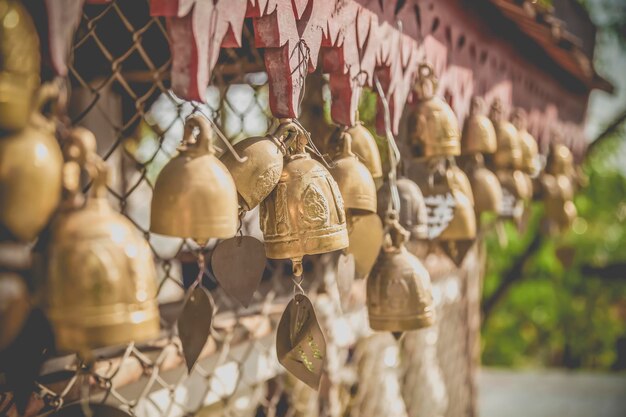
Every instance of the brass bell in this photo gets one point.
(514, 192)
(459, 180)
(436, 129)
(14, 307)
(363, 146)
(509, 153)
(463, 224)
(479, 135)
(304, 214)
(399, 293)
(560, 210)
(256, 178)
(355, 182)
(31, 163)
(529, 148)
(101, 280)
(486, 188)
(195, 195)
(560, 161)
(19, 65)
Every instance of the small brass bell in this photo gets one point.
(413, 212)
(463, 224)
(355, 181)
(363, 146)
(399, 293)
(486, 188)
(560, 210)
(19, 65)
(529, 148)
(459, 180)
(101, 281)
(195, 195)
(304, 214)
(479, 135)
(560, 161)
(30, 173)
(256, 178)
(436, 129)
(509, 153)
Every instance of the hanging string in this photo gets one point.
(394, 153)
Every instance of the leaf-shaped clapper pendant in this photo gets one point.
(300, 343)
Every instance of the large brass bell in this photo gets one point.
(30, 173)
(354, 179)
(101, 281)
(509, 153)
(195, 195)
(479, 135)
(258, 176)
(436, 129)
(304, 214)
(363, 146)
(19, 65)
(399, 294)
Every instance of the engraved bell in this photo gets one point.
(19, 65)
(479, 135)
(399, 293)
(509, 153)
(355, 181)
(436, 130)
(363, 146)
(195, 195)
(486, 188)
(101, 280)
(304, 214)
(30, 173)
(258, 175)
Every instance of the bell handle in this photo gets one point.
(346, 141)
(476, 106)
(426, 74)
(285, 132)
(83, 150)
(48, 93)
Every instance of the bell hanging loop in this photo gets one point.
(427, 82)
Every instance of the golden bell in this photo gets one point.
(19, 65)
(399, 293)
(355, 181)
(413, 213)
(436, 129)
(31, 163)
(560, 210)
(486, 188)
(304, 214)
(463, 224)
(363, 146)
(458, 180)
(514, 191)
(258, 175)
(101, 280)
(560, 161)
(195, 195)
(509, 153)
(14, 307)
(479, 135)
(529, 148)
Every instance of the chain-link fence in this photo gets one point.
(119, 70)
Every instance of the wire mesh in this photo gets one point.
(119, 76)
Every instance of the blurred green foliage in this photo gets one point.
(555, 314)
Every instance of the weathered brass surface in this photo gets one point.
(195, 195)
(479, 135)
(304, 214)
(509, 152)
(354, 179)
(529, 148)
(14, 307)
(399, 293)
(31, 165)
(436, 128)
(363, 146)
(19, 65)
(259, 174)
(101, 281)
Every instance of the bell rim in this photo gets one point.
(398, 324)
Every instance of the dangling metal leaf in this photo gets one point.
(194, 324)
(238, 265)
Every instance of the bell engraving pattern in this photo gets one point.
(101, 281)
(195, 195)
